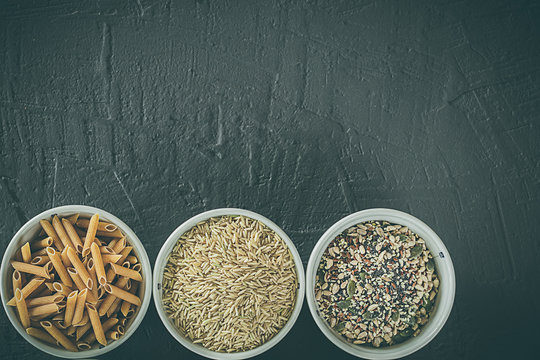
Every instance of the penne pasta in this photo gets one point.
(132, 259)
(61, 232)
(44, 300)
(59, 267)
(81, 269)
(61, 288)
(39, 252)
(110, 298)
(96, 324)
(70, 308)
(81, 330)
(122, 294)
(41, 244)
(40, 260)
(124, 253)
(70, 331)
(101, 226)
(58, 336)
(16, 280)
(119, 245)
(41, 335)
(60, 324)
(112, 242)
(80, 285)
(65, 259)
(110, 258)
(26, 254)
(79, 306)
(129, 273)
(84, 319)
(41, 271)
(72, 218)
(28, 289)
(22, 309)
(126, 305)
(92, 271)
(106, 326)
(90, 233)
(73, 236)
(83, 346)
(47, 309)
(98, 264)
(105, 250)
(49, 230)
(113, 335)
(119, 328)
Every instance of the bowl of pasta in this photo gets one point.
(75, 281)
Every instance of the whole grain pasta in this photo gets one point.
(73, 236)
(122, 271)
(79, 306)
(22, 309)
(98, 263)
(61, 232)
(70, 307)
(90, 234)
(59, 266)
(41, 271)
(26, 254)
(96, 324)
(48, 228)
(58, 336)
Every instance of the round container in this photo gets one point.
(29, 232)
(163, 257)
(443, 304)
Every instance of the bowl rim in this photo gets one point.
(161, 261)
(444, 301)
(134, 241)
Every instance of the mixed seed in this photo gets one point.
(377, 284)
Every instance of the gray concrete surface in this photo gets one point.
(301, 111)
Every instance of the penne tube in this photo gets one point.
(81, 330)
(90, 233)
(101, 292)
(84, 319)
(58, 336)
(96, 324)
(130, 313)
(47, 309)
(44, 300)
(40, 260)
(122, 322)
(43, 291)
(98, 264)
(101, 226)
(57, 317)
(119, 245)
(70, 331)
(41, 335)
(65, 259)
(49, 230)
(112, 242)
(79, 266)
(124, 253)
(39, 252)
(61, 288)
(122, 294)
(70, 308)
(72, 218)
(41, 244)
(31, 269)
(132, 259)
(113, 335)
(28, 289)
(73, 236)
(60, 324)
(16, 280)
(105, 250)
(83, 346)
(59, 267)
(26, 254)
(79, 306)
(119, 328)
(126, 305)
(92, 271)
(61, 232)
(110, 258)
(80, 285)
(22, 309)
(137, 267)
(110, 298)
(129, 273)
(110, 234)
(107, 325)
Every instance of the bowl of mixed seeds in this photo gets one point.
(380, 283)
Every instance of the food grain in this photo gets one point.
(230, 284)
(387, 284)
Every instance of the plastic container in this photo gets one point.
(162, 259)
(28, 232)
(443, 304)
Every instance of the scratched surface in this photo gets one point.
(301, 111)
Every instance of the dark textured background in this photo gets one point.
(301, 111)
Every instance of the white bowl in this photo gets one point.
(28, 232)
(162, 259)
(445, 270)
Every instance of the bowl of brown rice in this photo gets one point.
(381, 284)
(229, 284)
